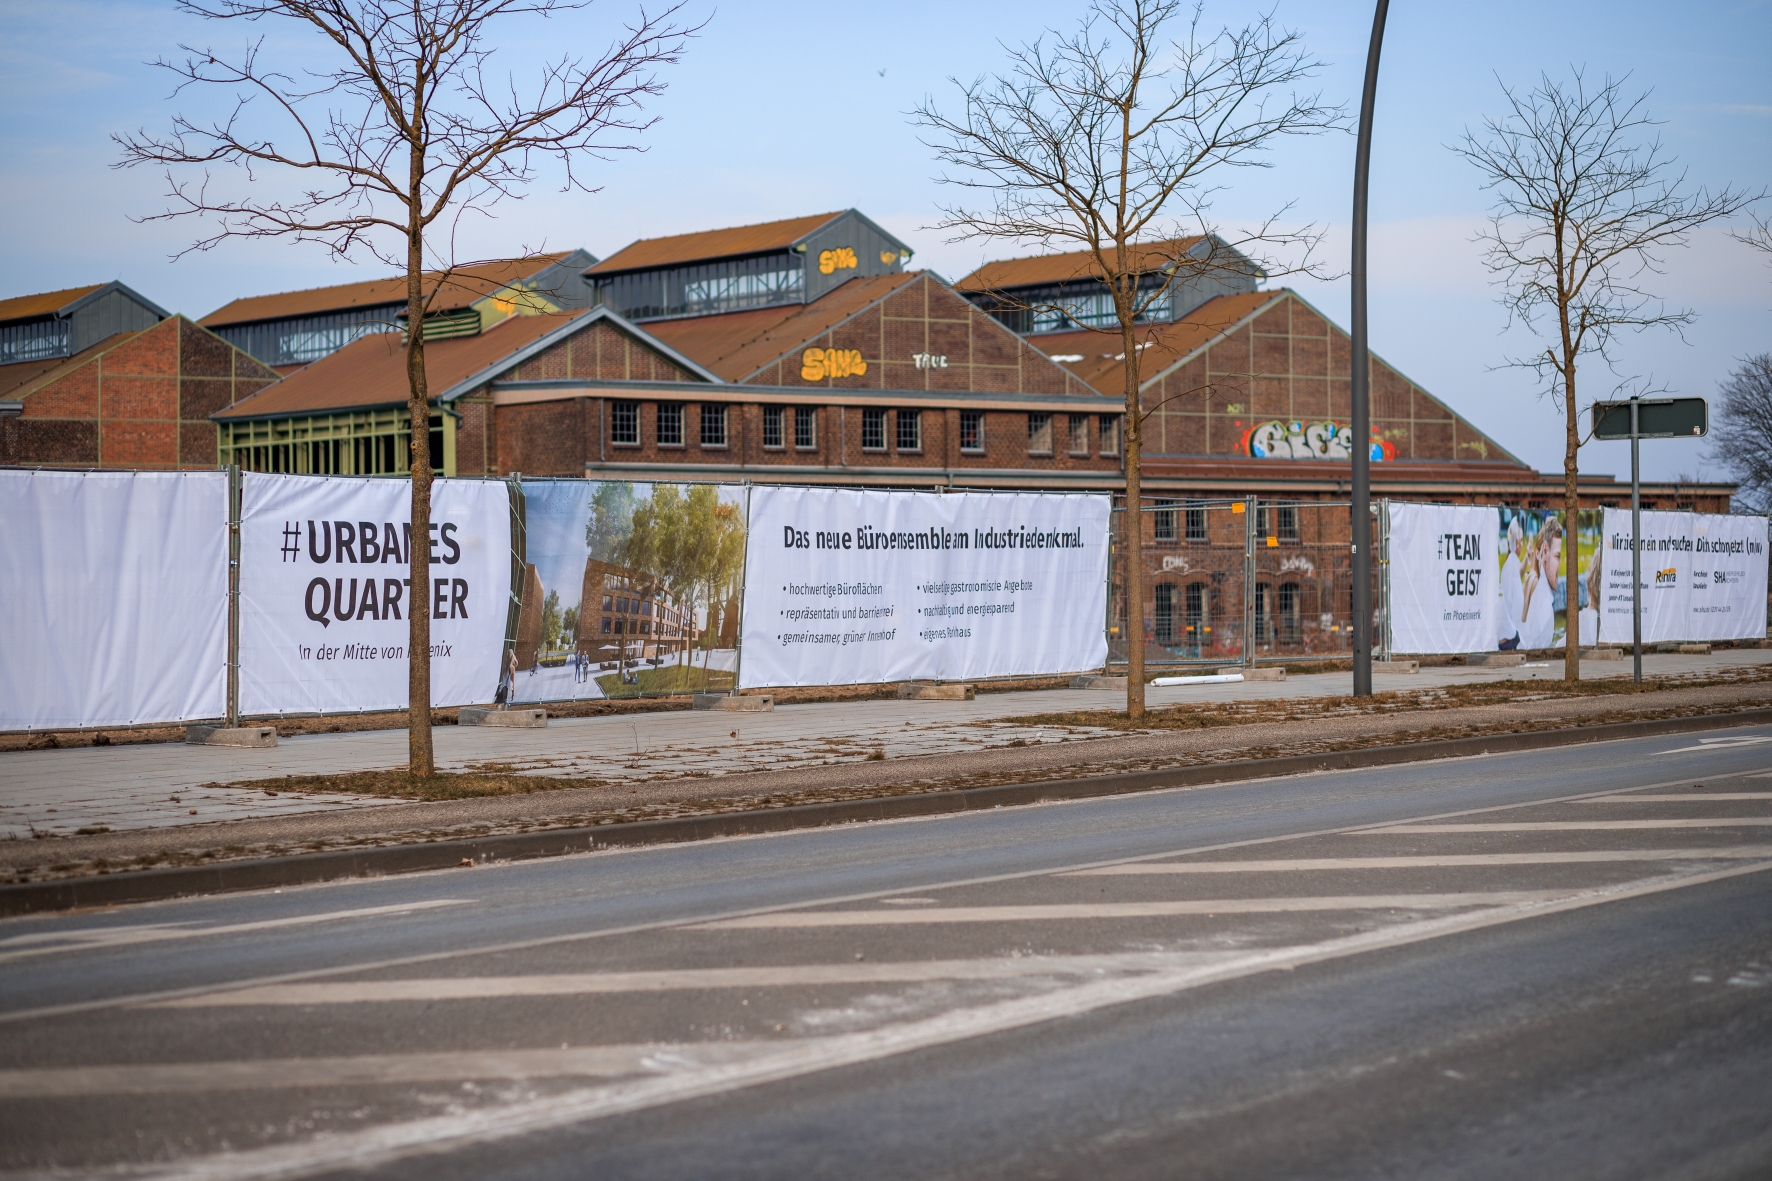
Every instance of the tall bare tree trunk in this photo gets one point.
(419, 758)
(1571, 528)
(1134, 526)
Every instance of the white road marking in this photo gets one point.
(1571, 825)
(366, 1070)
(1738, 852)
(1049, 912)
(1729, 742)
(388, 1143)
(90, 938)
(1627, 798)
(676, 979)
(534, 943)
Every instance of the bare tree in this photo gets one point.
(398, 136)
(1585, 204)
(1114, 140)
(1758, 234)
(1743, 431)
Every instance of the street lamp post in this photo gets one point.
(1361, 427)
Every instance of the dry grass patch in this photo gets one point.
(397, 784)
(1204, 715)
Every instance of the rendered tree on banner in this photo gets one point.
(399, 134)
(1114, 140)
(1586, 201)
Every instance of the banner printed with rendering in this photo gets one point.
(630, 589)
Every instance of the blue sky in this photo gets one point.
(786, 108)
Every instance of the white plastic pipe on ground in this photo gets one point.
(1210, 679)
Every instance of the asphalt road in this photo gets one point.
(1549, 964)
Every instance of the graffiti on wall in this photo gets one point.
(1299, 440)
(841, 259)
(818, 364)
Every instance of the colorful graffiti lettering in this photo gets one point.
(1297, 440)
(818, 364)
(841, 259)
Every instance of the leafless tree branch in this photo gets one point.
(1115, 140)
(1587, 202)
(404, 131)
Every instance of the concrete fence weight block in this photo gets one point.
(249, 736)
(1602, 653)
(1495, 659)
(1255, 672)
(1096, 681)
(1382, 667)
(1694, 649)
(513, 719)
(751, 703)
(954, 692)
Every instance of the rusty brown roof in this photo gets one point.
(42, 304)
(1164, 344)
(371, 371)
(1059, 268)
(737, 344)
(658, 252)
(464, 286)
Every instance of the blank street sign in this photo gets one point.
(1662, 418)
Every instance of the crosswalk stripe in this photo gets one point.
(1426, 861)
(1124, 910)
(1625, 797)
(1571, 825)
(674, 979)
(367, 1070)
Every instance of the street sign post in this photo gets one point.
(1644, 418)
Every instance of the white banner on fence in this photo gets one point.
(115, 587)
(1444, 579)
(850, 587)
(323, 602)
(1704, 577)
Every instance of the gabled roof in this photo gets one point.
(1165, 345)
(463, 286)
(371, 371)
(66, 302)
(47, 303)
(710, 244)
(738, 344)
(1061, 268)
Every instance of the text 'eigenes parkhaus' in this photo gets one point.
(933, 538)
(368, 543)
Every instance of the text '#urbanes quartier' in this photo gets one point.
(933, 538)
(371, 543)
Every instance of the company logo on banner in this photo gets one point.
(1442, 579)
(851, 587)
(325, 600)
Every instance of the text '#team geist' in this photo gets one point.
(933, 538)
(366, 543)
(1461, 581)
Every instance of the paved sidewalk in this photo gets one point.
(153, 786)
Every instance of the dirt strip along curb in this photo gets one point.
(151, 885)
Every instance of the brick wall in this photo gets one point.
(1291, 365)
(142, 403)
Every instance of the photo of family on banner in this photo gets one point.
(1535, 581)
